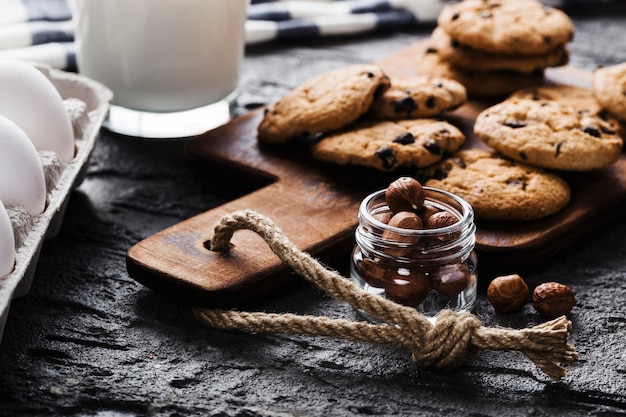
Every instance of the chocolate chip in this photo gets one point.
(605, 116)
(405, 139)
(387, 157)
(523, 156)
(407, 105)
(516, 182)
(557, 151)
(590, 130)
(607, 131)
(431, 50)
(431, 102)
(515, 124)
(547, 39)
(433, 147)
(455, 16)
(370, 75)
(440, 174)
(380, 90)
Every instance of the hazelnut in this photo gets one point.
(440, 219)
(406, 220)
(372, 272)
(426, 211)
(383, 216)
(403, 220)
(405, 194)
(408, 288)
(552, 299)
(508, 293)
(451, 280)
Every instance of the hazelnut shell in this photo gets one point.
(451, 280)
(403, 220)
(441, 219)
(406, 220)
(409, 290)
(508, 293)
(552, 299)
(405, 194)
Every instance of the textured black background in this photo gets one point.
(90, 341)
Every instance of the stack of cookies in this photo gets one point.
(494, 47)
(534, 133)
(356, 115)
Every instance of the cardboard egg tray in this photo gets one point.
(96, 99)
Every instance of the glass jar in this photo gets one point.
(429, 269)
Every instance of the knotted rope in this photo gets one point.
(446, 343)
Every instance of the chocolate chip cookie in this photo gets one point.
(468, 58)
(323, 103)
(525, 27)
(419, 96)
(497, 187)
(548, 134)
(609, 89)
(389, 145)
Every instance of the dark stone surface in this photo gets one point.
(89, 341)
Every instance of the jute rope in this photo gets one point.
(446, 343)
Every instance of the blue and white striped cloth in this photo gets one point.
(42, 30)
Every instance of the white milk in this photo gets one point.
(161, 55)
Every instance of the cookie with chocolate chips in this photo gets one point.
(389, 145)
(549, 134)
(323, 103)
(525, 27)
(468, 58)
(609, 89)
(419, 96)
(499, 188)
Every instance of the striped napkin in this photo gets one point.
(42, 30)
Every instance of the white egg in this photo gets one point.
(22, 181)
(7, 243)
(30, 99)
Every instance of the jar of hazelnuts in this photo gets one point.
(415, 245)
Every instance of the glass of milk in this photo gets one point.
(173, 65)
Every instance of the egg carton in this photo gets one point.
(87, 102)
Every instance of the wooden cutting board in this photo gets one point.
(315, 204)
